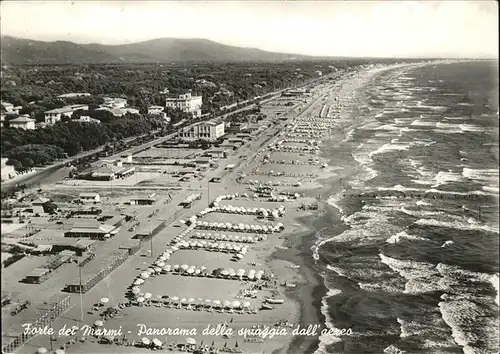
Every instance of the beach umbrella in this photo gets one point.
(104, 300)
(225, 273)
(240, 272)
(190, 341)
(184, 267)
(183, 300)
(145, 341)
(136, 290)
(203, 268)
(147, 295)
(175, 298)
(197, 271)
(157, 342)
(236, 304)
(190, 271)
(140, 299)
(138, 282)
(59, 351)
(167, 267)
(41, 350)
(239, 256)
(98, 323)
(216, 302)
(158, 269)
(227, 303)
(246, 304)
(191, 299)
(231, 271)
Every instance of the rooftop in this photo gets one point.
(22, 120)
(38, 272)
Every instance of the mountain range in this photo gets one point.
(17, 51)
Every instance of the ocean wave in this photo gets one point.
(471, 225)
(420, 277)
(333, 200)
(494, 282)
(443, 177)
(403, 235)
(420, 123)
(483, 175)
(390, 147)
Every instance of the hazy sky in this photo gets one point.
(333, 28)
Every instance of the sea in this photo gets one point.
(415, 268)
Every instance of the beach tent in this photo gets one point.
(136, 290)
(41, 350)
(217, 303)
(175, 298)
(59, 351)
(183, 300)
(190, 341)
(147, 295)
(138, 282)
(98, 323)
(146, 341)
(140, 299)
(246, 304)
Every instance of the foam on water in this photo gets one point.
(471, 225)
(420, 123)
(404, 235)
(445, 177)
(390, 147)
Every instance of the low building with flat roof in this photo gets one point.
(91, 229)
(37, 276)
(89, 197)
(209, 131)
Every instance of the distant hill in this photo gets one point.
(26, 51)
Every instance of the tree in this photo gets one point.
(27, 162)
(17, 165)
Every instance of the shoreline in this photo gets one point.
(312, 293)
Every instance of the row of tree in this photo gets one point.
(28, 148)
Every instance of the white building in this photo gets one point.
(114, 102)
(23, 122)
(74, 94)
(119, 112)
(87, 119)
(54, 115)
(186, 103)
(209, 131)
(10, 109)
(8, 106)
(155, 109)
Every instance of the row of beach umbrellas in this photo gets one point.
(240, 227)
(231, 238)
